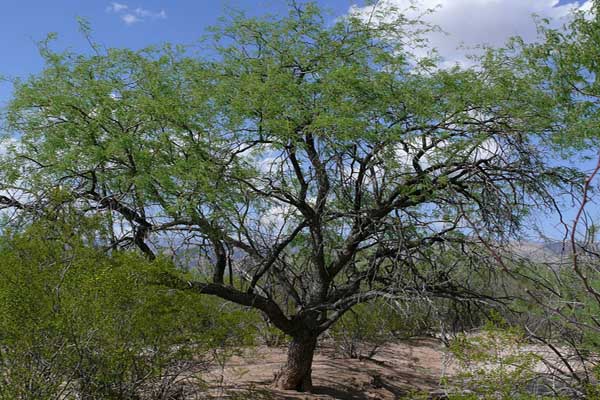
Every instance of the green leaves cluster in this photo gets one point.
(562, 70)
(494, 364)
(76, 322)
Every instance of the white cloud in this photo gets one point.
(443, 152)
(116, 7)
(130, 19)
(143, 13)
(276, 217)
(468, 23)
(131, 16)
(587, 6)
(6, 143)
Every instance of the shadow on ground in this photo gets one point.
(395, 372)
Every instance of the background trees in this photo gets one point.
(312, 166)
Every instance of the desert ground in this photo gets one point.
(396, 371)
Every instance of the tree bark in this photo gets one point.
(296, 373)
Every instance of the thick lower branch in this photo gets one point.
(269, 307)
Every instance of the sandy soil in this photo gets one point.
(395, 372)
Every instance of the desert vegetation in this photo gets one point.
(324, 189)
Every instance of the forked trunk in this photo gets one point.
(296, 373)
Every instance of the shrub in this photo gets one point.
(496, 363)
(78, 323)
(366, 327)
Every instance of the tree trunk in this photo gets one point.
(296, 373)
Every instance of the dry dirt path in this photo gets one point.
(396, 371)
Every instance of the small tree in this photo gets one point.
(312, 165)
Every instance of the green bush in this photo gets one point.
(495, 363)
(362, 330)
(78, 323)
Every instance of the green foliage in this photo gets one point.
(267, 334)
(366, 327)
(76, 322)
(494, 363)
(559, 72)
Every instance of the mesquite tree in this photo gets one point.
(312, 165)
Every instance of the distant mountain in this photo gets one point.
(550, 252)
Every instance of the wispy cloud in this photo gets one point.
(143, 13)
(468, 23)
(130, 19)
(116, 7)
(132, 16)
